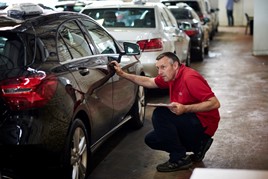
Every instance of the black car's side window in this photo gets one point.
(71, 43)
(102, 40)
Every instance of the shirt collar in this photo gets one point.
(182, 67)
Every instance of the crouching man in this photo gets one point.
(188, 123)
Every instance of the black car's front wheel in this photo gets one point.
(78, 151)
(138, 109)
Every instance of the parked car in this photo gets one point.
(59, 93)
(215, 13)
(213, 19)
(201, 7)
(74, 6)
(3, 5)
(151, 25)
(188, 19)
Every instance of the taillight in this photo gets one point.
(151, 45)
(191, 32)
(27, 92)
(201, 16)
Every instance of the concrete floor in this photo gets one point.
(240, 82)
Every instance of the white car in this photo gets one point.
(151, 25)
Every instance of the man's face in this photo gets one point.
(167, 70)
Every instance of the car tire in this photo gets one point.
(206, 50)
(138, 109)
(200, 54)
(78, 154)
(188, 57)
(211, 35)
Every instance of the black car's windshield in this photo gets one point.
(123, 17)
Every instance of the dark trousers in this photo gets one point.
(230, 17)
(174, 134)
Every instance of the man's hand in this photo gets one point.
(177, 108)
(144, 81)
(117, 68)
(208, 105)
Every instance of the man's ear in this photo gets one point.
(176, 63)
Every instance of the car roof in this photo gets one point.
(180, 5)
(120, 4)
(178, 0)
(197, 5)
(20, 25)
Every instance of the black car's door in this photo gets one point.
(123, 91)
(92, 75)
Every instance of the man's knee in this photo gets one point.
(160, 113)
(149, 138)
(152, 141)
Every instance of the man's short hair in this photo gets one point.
(170, 55)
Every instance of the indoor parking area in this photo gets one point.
(238, 74)
(236, 69)
(239, 79)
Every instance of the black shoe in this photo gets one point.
(182, 164)
(200, 154)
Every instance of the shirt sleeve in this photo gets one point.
(199, 88)
(160, 82)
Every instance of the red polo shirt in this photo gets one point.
(189, 87)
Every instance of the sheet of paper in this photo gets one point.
(158, 104)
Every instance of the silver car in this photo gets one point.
(151, 25)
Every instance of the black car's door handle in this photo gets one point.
(83, 71)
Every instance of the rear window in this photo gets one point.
(180, 13)
(11, 53)
(18, 50)
(75, 7)
(123, 17)
(192, 4)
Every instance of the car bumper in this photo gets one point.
(14, 156)
(196, 43)
(148, 60)
(23, 130)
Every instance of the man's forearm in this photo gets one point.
(140, 80)
(208, 105)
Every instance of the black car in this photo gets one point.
(190, 22)
(59, 93)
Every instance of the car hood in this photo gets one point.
(134, 35)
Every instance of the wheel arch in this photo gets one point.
(84, 117)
